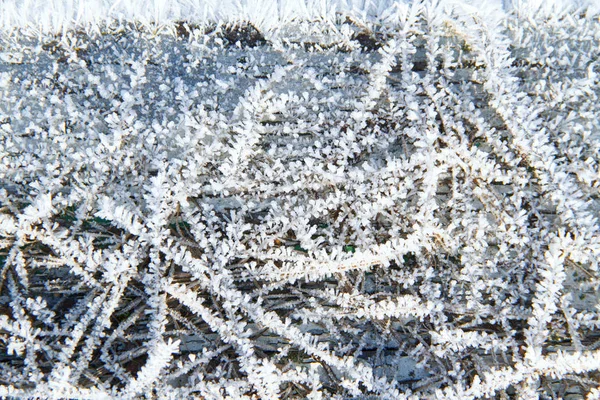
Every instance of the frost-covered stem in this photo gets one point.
(358, 372)
(61, 372)
(262, 374)
(557, 365)
(552, 275)
(159, 358)
(93, 340)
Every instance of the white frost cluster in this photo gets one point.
(398, 202)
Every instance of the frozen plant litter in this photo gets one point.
(281, 200)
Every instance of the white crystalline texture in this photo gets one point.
(299, 199)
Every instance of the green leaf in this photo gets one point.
(349, 249)
(299, 248)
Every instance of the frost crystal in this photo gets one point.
(299, 199)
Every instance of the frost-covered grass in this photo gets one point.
(395, 202)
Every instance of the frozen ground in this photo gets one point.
(391, 202)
